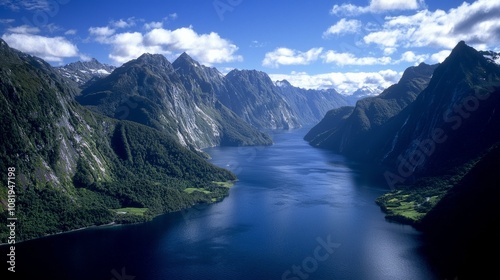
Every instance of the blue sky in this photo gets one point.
(339, 44)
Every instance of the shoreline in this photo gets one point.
(64, 232)
(228, 185)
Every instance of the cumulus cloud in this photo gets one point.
(376, 6)
(208, 48)
(343, 82)
(343, 26)
(344, 58)
(51, 49)
(475, 23)
(286, 56)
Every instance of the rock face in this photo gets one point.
(254, 97)
(175, 98)
(311, 105)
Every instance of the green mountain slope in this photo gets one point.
(74, 168)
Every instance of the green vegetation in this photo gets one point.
(131, 210)
(227, 184)
(191, 190)
(410, 203)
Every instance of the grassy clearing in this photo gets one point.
(191, 190)
(228, 184)
(131, 210)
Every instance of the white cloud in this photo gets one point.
(410, 56)
(52, 49)
(342, 59)
(392, 5)
(206, 48)
(153, 25)
(285, 56)
(389, 51)
(101, 31)
(348, 10)
(70, 32)
(121, 23)
(343, 27)
(172, 16)
(376, 6)
(440, 56)
(343, 82)
(477, 24)
(386, 38)
(24, 29)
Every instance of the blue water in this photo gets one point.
(296, 213)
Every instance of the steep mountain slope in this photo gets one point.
(310, 105)
(462, 228)
(350, 135)
(441, 156)
(254, 97)
(453, 120)
(73, 168)
(149, 90)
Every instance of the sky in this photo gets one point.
(319, 44)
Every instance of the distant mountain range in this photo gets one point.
(82, 72)
(201, 107)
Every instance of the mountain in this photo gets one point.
(366, 91)
(253, 96)
(349, 131)
(310, 105)
(434, 139)
(174, 98)
(454, 119)
(83, 72)
(461, 230)
(363, 92)
(71, 167)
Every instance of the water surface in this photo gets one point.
(296, 213)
